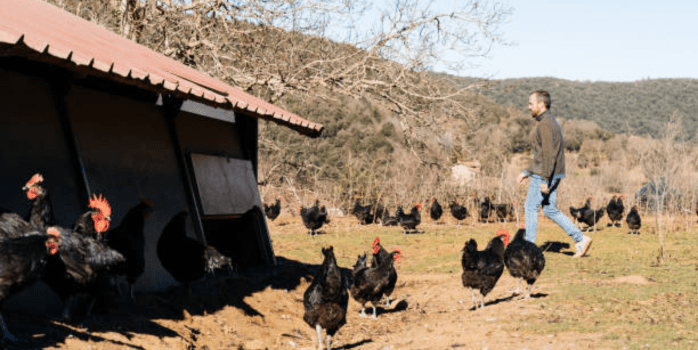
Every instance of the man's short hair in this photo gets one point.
(543, 96)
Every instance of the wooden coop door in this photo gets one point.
(228, 193)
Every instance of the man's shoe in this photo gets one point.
(582, 247)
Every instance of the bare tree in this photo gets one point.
(318, 46)
(663, 163)
(325, 50)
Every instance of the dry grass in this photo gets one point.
(619, 291)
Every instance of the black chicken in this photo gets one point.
(129, 240)
(379, 254)
(378, 213)
(365, 214)
(360, 264)
(435, 211)
(70, 273)
(460, 212)
(314, 217)
(482, 269)
(590, 217)
(186, 259)
(409, 222)
(95, 222)
(577, 212)
(41, 214)
(633, 220)
(524, 260)
(326, 299)
(22, 261)
(387, 220)
(80, 261)
(485, 210)
(273, 211)
(504, 212)
(370, 284)
(615, 210)
(12, 225)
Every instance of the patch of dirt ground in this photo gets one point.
(428, 311)
(263, 309)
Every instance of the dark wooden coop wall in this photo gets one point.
(32, 141)
(128, 154)
(123, 147)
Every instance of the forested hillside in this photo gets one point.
(641, 107)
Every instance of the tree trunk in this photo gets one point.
(660, 206)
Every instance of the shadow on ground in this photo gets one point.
(554, 247)
(41, 330)
(512, 297)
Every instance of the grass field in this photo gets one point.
(620, 291)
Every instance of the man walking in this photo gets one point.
(545, 172)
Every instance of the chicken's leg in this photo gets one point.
(132, 292)
(116, 282)
(363, 311)
(68, 307)
(91, 306)
(7, 334)
(472, 297)
(528, 291)
(319, 336)
(328, 340)
(517, 291)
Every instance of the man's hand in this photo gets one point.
(521, 178)
(544, 188)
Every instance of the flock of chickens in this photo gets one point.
(84, 261)
(326, 299)
(615, 210)
(315, 216)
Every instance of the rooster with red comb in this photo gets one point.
(379, 254)
(370, 284)
(505, 236)
(95, 222)
(41, 215)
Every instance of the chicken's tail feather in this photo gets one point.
(105, 259)
(216, 260)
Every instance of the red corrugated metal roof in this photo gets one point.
(84, 46)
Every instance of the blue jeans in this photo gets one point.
(534, 200)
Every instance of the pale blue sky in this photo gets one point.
(595, 40)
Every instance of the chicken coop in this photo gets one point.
(96, 113)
